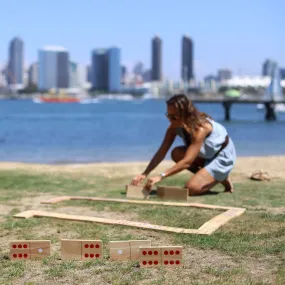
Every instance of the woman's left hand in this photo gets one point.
(152, 181)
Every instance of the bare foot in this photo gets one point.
(229, 187)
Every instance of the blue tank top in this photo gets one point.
(212, 142)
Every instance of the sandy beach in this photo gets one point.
(245, 166)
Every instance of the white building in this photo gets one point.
(3, 81)
(249, 81)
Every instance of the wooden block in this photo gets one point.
(71, 249)
(81, 249)
(29, 249)
(171, 256)
(20, 250)
(92, 249)
(172, 193)
(135, 244)
(137, 192)
(39, 249)
(150, 256)
(120, 250)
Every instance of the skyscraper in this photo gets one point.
(33, 74)
(138, 68)
(187, 71)
(114, 72)
(53, 68)
(269, 67)
(106, 69)
(156, 59)
(73, 82)
(15, 70)
(100, 69)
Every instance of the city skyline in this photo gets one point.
(224, 36)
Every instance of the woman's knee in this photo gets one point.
(193, 188)
(177, 153)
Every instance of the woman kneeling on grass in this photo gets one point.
(208, 151)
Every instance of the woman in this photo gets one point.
(208, 151)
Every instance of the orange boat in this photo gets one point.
(55, 97)
(44, 99)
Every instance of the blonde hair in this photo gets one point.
(190, 116)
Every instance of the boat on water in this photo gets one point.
(54, 97)
(44, 99)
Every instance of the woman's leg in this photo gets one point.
(201, 183)
(229, 187)
(178, 153)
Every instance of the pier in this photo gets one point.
(269, 105)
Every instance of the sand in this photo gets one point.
(245, 166)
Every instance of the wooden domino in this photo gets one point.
(126, 250)
(119, 250)
(135, 244)
(81, 249)
(172, 193)
(29, 249)
(171, 256)
(138, 192)
(150, 256)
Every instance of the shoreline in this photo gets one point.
(244, 167)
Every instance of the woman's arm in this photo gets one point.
(162, 151)
(191, 153)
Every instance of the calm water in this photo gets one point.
(117, 131)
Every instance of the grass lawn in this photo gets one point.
(247, 250)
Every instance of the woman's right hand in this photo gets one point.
(137, 179)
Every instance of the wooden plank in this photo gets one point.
(207, 228)
(175, 204)
(216, 222)
(107, 221)
(56, 200)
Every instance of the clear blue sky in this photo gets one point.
(237, 34)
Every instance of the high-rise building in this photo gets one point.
(73, 82)
(114, 76)
(156, 59)
(224, 74)
(53, 68)
(138, 68)
(106, 69)
(269, 67)
(81, 75)
(100, 69)
(123, 73)
(187, 71)
(282, 73)
(15, 68)
(147, 75)
(33, 74)
(89, 73)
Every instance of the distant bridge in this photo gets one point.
(228, 102)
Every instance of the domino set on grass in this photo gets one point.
(163, 192)
(141, 250)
